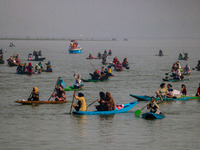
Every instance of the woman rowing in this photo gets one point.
(95, 75)
(101, 100)
(153, 105)
(29, 68)
(81, 104)
(90, 55)
(162, 91)
(61, 82)
(77, 81)
(60, 94)
(187, 69)
(183, 89)
(34, 94)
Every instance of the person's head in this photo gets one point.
(35, 89)
(102, 68)
(183, 86)
(79, 76)
(80, 95)
(59, 78)
(169, 86)
(162, 85)
(152, 99)
(102, 95)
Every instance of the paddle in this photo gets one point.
(72, 103)
(53, 91)
(30, 96)
(92, 103)
(92, 65)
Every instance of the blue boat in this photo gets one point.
(74, 47)
(151, 115)
(122, 109)
(148, 98)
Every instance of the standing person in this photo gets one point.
(153, 106)
(183, 89)
(162, 91)
(60, 94)
(198, 91)
(81, 104)
(77, 81)
(61, 82)
(34, 94)
(101, 100)
(104, 58)
(110, 105)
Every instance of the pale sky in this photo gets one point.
(100, 18)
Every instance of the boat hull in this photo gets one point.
(148, 98)
(174, 80)
(71, 88)
(151, 115)
(39, 59)
(126, 108)
(39, 102)
(75, 51)
(91, 80)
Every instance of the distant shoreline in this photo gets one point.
(56, 39)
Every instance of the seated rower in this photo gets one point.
(160, 53)
(61, 82)
(183, 89)
(29, 68)
(187, 69)
(115, 61)
(172, 92)
(77, 82)
(48, 66)
(40, 64)
(19, 69)
(110, 105)
(102, 70)
(162, 91)
(109, 72)
(101, 100)
(118, 66)
(198, 91)
(60, 94)
(109, 52)
(30, 57)
(99, 55)
(81, 104)
(178, 75)
(125, 62)
(95, 75)
(153, 105)
(90, 55)
(38, 69)
(34, 94)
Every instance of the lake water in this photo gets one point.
(51, 127)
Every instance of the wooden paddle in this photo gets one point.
(92, 103)
(92, 65)
(53, 91)
(30, 96)
(72, 103)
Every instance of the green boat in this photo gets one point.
(91, 80)
(191, 97)
(174, 80)
(71, 88)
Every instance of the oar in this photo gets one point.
(92, 103)
(30, 96)
(92, 65)
(72, 103)
(139, 111)
(53, 91)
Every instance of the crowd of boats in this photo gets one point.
(106, 102)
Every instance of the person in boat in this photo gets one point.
(198, 91)
(162, 91)
(40, 64)
(178, 75)
(183, 89)
(104, 75)
(160, 53)
(105, 52)
(109, 52)
(35, 53)
(30, 68)
(40, 53)
(118, 66)
(180, 56)
(60, 94)
(1, 59)
(38, 69)
(17, 58)
(24, 68)
(77, 81)
(110, 72)
(90, 55)
(101, 100)
(153, 105)
(115, 59)
(61, 82)
(29, 56)
(172, 92)
(48, 67)
(99, 55)
(95, 75)
(34, 94)
(187, 69)
(81, 104)
(102, 70)
(198, 65)
(1, 51)
(109, 102)
(104, 58)
(19, 69)
(185, 56)
(125, 62)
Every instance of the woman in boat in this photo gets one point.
(125, 62)
(172, 92)
(160, 53)
(29, 56)
(105, 52)
(29, 68)
(95, 75)
(24, 68)
(153, 105)
(60, 94)
(90, 55)
(198, 91)
(48, 67)
(109, 52)
(61, 82)
(101, 100)
(102, 70)
(178, 74)
(99, 55)
(162, 91)
(77, 81)
(109, 102)
(20, 68)
(115, 61)
(180, 56)
(104, 58)
(40, 64)
(187, 69)
(118, 66)
(81, 104)
(183, 89)
(37, 69)
(110, 72)
(34, 94)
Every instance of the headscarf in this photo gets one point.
(35, 89)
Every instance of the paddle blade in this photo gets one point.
(137, 112)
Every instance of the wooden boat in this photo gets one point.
(94, 58)
(26, 102)
(12, 64)
(148, 98)
(174, 80)
(71, 88)
(91, 80)
(118, 109)
(37, 59)
(151, 115)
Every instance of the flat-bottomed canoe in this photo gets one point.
(151, 115)
(25, 102)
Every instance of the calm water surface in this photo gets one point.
(51, 126)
